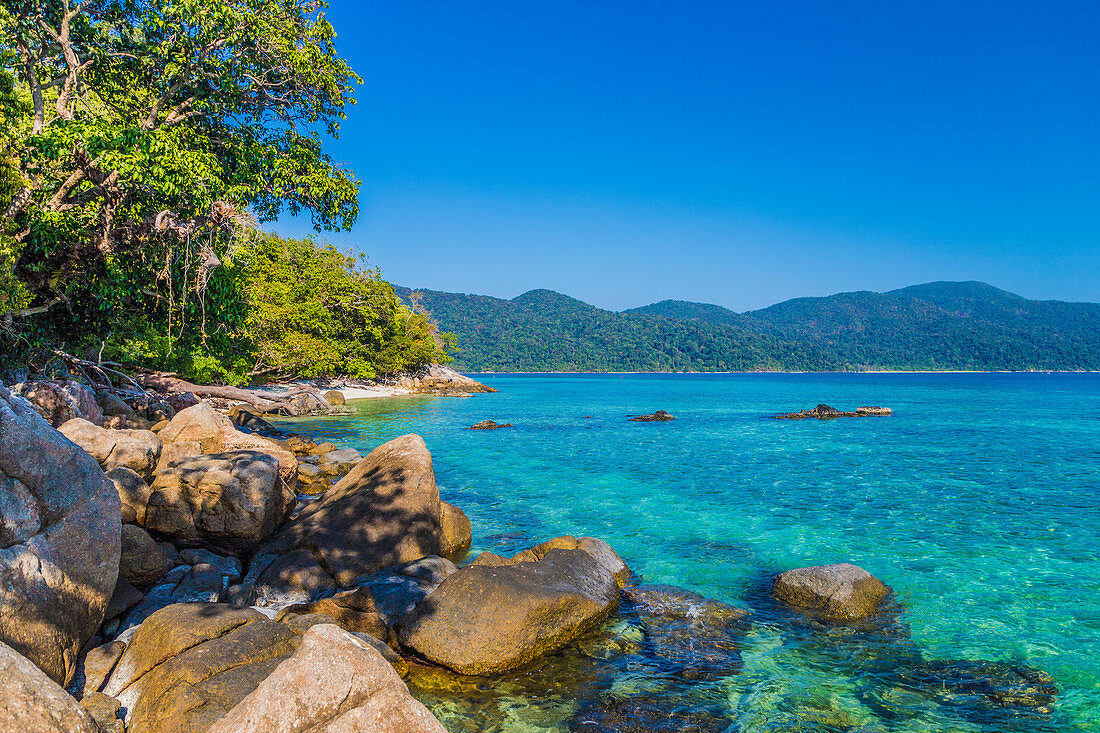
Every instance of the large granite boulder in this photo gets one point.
(353, 610)
(840, 592)
(133, 492)
(142, 562)
(137, 450)
(60, 401)
(456, 532)
(597, 548)
(30, 702)
(385, 512)
(59, 541)
(215, 433)
(228, 502)
(440, 378)
(189, 664)
(334, 682)
(486, 620)
(283, 580)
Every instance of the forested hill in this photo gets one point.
(940, 325)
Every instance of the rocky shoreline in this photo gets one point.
(210, 573)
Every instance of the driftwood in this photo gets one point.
(168, 383)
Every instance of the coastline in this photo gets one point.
(867, 371)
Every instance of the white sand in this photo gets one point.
(351, 392)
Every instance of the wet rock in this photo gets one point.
(189, 664)
(385, 512)
(34, 703)
(312, 479)
(239, 596)
(322, 448)
(840, 592)
(142, 562)
(339, 462)
(246, 417)
(485, 620)
(490, 425)
(456, 532)
(203, 582)
(60, 401)
(985, 685)
(228, 502)
(874, 411)
(334, 681)
(135, 449)
(659, 416)
(60, 539)
(229, 567)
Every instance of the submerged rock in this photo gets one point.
(824, 412)
(485, 620)
(659, 416)
(840, 592)
(60, 537)
(985, 685)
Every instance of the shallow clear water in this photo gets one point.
(978, 502)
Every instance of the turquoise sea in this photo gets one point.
(978, 502)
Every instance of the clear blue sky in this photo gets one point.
(728, 152)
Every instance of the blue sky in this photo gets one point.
(734, 153)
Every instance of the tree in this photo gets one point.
(142, 137)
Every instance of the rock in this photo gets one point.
(189, 664)
(298, 445)
(296, 577)
(339, 462)
(133, 493)
(113, 405)
(385, 512)
(312, 479)
(229, 567)
(215, 433)
(333, 682)
(122, 422)
(333, 397)
(821, 412)
(322, 448)
(98, 664)
(308, 404)
(228, 502)
(34, 703)
(239, 596)
(397, 590)
(456, 532)
(647, 713)
(105, 711)
(985, 685)
(135, 449)
(840, 592)
(490, 425)
(659, 416)
(142, 563)
(874, 411)
(158, 426)
(172, 452)
(439, 378)
(60, 401)
(180, 401)
(203, 582)
(125, 597)
(60, 536)
(597, 548)
(246, 417)
(353, 610)
(485, 620)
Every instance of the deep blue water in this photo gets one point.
(978, 502)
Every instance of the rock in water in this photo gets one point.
(33, 703)
(385, 512)
(457, 532)
(486, 620)
(333, 682)
(840, 592)
(228, 502)
(597, 548)
(60, 537)
(875, 411)
(490, 425)
(659, 416)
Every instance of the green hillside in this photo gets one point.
(941, 325)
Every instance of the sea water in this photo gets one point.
(977, 502)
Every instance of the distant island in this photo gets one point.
(937, 326)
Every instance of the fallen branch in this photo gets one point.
(166, 383)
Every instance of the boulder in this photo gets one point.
(840, 592)
(659, 416)
(112, 405)
(105, 711)
(229, 567)
(98, 664)
(490, 425)
(246, 417)
(333, 682)
(339, 462)
(133, 493)
(125, 597)
(456, 530)
(874, 411)
(312, 479)
(142, 563)
(821, 412)
(353, 610)
(60, 401)
(397, 590)
(486, 620)
(322, 448)
(180, 401)
(597, 548)
(439, 378)
(191, 663)
(228, 502)
(215, 433)
(123, 422)
(172, 452)
(334, 397)
(385, 512)
(137, 450)
(307, 404)
(31, 702)
(280, 581)
(60, 539)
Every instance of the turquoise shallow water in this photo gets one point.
(978, 502)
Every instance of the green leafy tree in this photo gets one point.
(142, 136)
